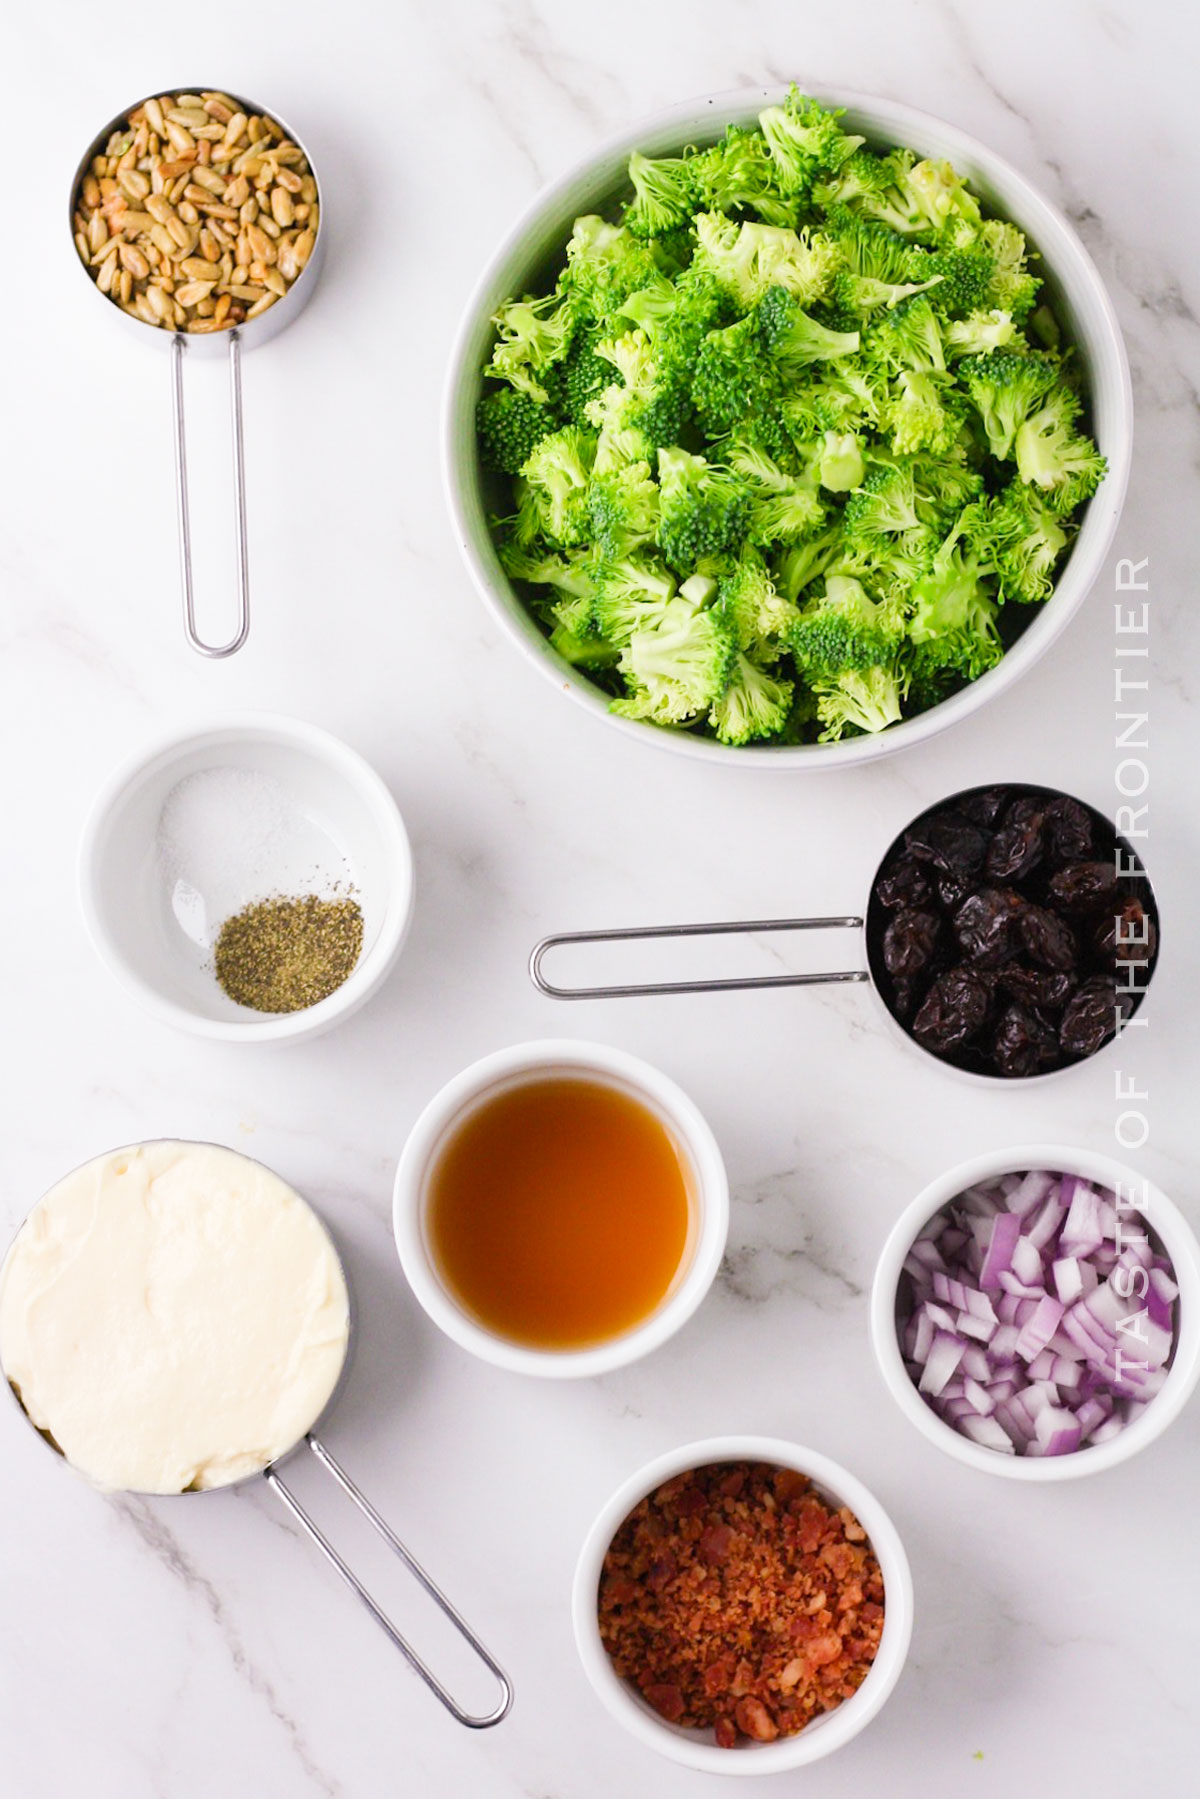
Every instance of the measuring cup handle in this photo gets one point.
(414, 1567)
(738, 928)
(215, 650)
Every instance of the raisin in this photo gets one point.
(1037, 987)
(984, 925)
(1049, 939)
(1069, 831)
(1128, 935)
(1090, 1018)
(1085, 887)
(910, 941)
(1025, 1042)
(950, 841)
(984, 806)
(1016, 849)
(904, 883)
(951, 891)
(904, 997)
(953, 1012)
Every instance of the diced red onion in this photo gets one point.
(1036, 1317)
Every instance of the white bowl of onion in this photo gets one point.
(1036, 1312)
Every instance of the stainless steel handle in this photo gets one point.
(215, 650)
(736, 928)
(414, 1567)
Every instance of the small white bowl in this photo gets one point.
(697, 1749)
(516, 1066)
(127, 896)
(531, 251)
(1179, 1241)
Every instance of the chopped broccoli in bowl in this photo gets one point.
(801, 457)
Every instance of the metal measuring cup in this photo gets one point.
(252, 331)
(871, 927)
(271, 1475)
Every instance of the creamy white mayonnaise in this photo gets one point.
(174, 1315)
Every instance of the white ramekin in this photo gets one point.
(696, 1749)
(533, 246)
(1179, 1241)
(512, 1067)
(121, 889)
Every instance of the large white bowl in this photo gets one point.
(533, 247)
(697, 1748)
(1179, 1241)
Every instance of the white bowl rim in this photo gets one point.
(836, 1727)
(696, 1137)
(225, 729)
(1096, 536)
(1179, 1240)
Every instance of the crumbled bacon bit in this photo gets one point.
(734, 1598)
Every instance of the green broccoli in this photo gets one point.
(953, 624)
(630, 595)
(705, 509)
(959, 280)
(664, 193)
(623, 505)
(784, 507)
(676, 668)
(866, 700)
(1052, 454)
(733, 384)
(915, 199)
(555, 478)
(754, 705)
(841, 464)
(1005, 388)
(843, 629)
(758, 616)
(739, 174)
(746, 260)
(798, 566)
(510, 424)
(1011, 286)
(1024, 541)
(793, 339)
(884, 505)
(805, 141)
(605, 264)
(532, 335)
(979, 333)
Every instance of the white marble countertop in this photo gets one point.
(179, 1649)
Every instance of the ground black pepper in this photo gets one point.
(281, 955)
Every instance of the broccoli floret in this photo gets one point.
(569, 577)
(959, 280)
(555, 479)
(630, 595)
(877, 265)
(645, 400)
(916, 199)
(757, 615)
(943, 485)
(623, 504)
(909, 339)
(883, 506)
(793, 339)
(979, 333)
(734, 385)
(1005, 388)
(783, 507)
(1024, 541)
(838, 396)
(664, 193)
(866, 700)
(845, 629)
(605, 264)
(746, 260)
(754, 705)
(1011, 285)
(800, 565)
(531, 337)
(704, 509)
(1053, 455)
(585, 374)
(510, 423)
(805, 142)
(953, 624)
(739, 173)
(583, 651)
(678, 667)
(925, 413)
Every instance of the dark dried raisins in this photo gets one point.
(952, 892)
(1048, 939)
(950, 841)
(1090, 1018)
(904, 884)
(1069, 832)
(985, 925)
(910, 941)
(954, 1010)
(1046, 988)
(1024, 1042)
(984, 806)
(1016, 849)
(1085, 887)
(1128, 935)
